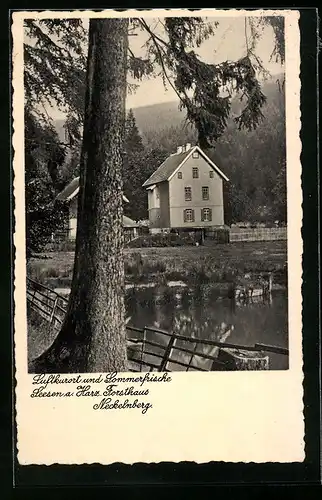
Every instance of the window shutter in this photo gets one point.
(184, 216)
(201, 215)
(210, 214)
(193, 216)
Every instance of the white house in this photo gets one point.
(186, 191)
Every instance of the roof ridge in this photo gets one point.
(170, 165)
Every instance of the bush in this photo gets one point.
(136, 267)
(35, 273)
(61, 246)
(163, 240)
(220, 235)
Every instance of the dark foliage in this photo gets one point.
(43, 158)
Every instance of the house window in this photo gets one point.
(187, 193)
(205, 193)
(195, 154)
(179, 175)
(211, 174)
(189, 215)
(195, 173)
(206, 214)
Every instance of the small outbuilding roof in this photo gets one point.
(72, 189)
(127, 222)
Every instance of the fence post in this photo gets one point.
(170, 353)
(142, 348)
(167, 354)
(192, 356)
(53, 311)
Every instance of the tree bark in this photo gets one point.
(92, 338)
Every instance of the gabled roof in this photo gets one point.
(72, 189)
(127, 222)
(170, 166)
(166, 168)
(69, 191)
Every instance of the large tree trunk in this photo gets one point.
(92, 338)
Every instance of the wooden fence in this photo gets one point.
(152, 349)
(257, 234)
(48, 304)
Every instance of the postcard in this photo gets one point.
(158, 249)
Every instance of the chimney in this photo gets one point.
(179, 150)
(188, 146)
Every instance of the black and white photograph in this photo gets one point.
(155, 194)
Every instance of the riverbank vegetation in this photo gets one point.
(218, 263)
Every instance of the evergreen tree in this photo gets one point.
(143, 165)
(133, 139)
(138, 164)
(43, 159)
(54, 71)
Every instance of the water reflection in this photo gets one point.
(204, 312)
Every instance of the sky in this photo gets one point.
(228, 43)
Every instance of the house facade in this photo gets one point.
(69, 196)
(186, 191)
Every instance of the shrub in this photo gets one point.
(137, 267)
(162, 240)
(220, 235)
(35, 273)
(51, 272)
(61, 246)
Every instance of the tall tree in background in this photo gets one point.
(138, 164)
(92, 337)
(133, 140)
(132, 165)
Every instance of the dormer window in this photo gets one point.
(179, 175)
(195, 173)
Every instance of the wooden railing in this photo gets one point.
(50, 305)
(149, 348)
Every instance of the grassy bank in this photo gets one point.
(221, 262)
(40, 335)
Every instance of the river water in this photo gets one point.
(205, 312)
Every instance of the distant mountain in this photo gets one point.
(156, 117)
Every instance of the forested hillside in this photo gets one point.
(254, 160)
